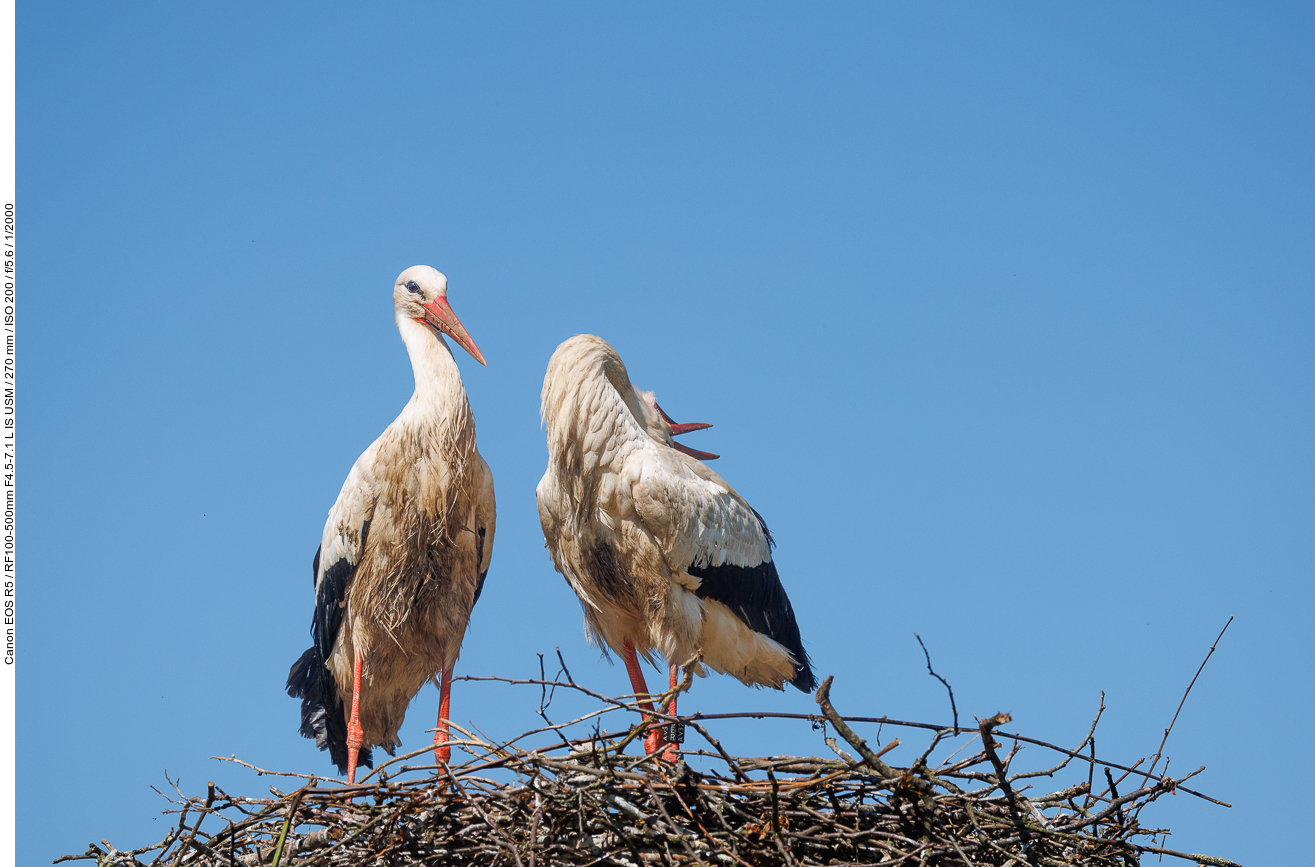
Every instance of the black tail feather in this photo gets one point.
(755, 595)
(322, 718)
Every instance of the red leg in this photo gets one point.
(443, 752)
(355, 737)
(653, 742)
(672, 752)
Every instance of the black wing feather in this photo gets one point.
(756, 596)
(322, 717)
(479, 558)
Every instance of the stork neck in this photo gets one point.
(438, 381)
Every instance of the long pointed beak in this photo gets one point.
(678, 428)
(695, 453)
(439, 314)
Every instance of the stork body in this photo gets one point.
(404, 553)
(665, 556)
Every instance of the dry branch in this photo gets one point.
(578, 799)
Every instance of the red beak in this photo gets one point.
(678, 428)
(695, 453)
(440, 315)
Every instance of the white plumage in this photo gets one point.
(405, 550)
(663, 553)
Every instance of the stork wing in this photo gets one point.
(486, 522)
(340, 551)
(710, 532)
(334, 568)
(699, 519)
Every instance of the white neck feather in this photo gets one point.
(438, 391)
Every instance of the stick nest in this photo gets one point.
(581, 800)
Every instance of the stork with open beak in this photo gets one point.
(664, 428)
(665, 556)
(405, 551)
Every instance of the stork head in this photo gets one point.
(661, 427)
(420, 293)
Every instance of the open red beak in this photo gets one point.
(678, 428)
(695, 453)
(439, 314)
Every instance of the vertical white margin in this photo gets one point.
(8, 757)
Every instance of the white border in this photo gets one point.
(8, 789)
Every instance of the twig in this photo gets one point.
(570, 798)
(1002, 778)
(842, 728)
(191, 835)
(1160, 751)
(287, 823)
(953, 709)
(814, 718)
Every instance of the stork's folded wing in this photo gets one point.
(696, 516)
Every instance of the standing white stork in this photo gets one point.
(404, 553)
(663, 553)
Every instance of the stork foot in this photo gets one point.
(677, 730)
(653, 740)
(655, 743)
(355, 736)
(442, 751)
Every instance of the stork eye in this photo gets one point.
(412, 287)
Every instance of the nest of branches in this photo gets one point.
(580, 799)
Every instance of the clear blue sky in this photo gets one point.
(1003, 315)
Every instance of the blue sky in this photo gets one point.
(1003, 317)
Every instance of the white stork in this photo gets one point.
(404, 553)
(663, 553)
(661, 426)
